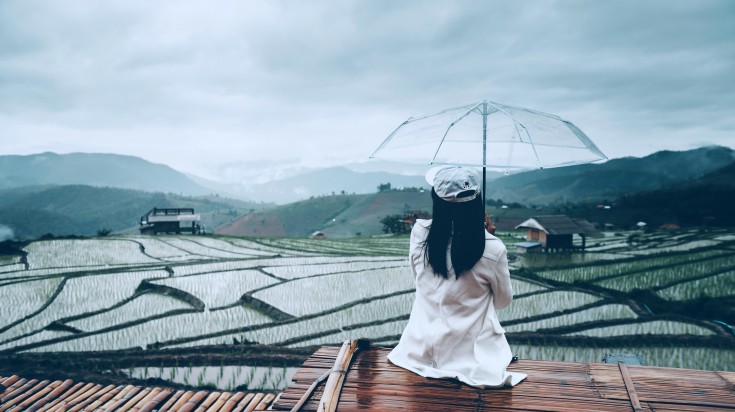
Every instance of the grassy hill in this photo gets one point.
(81, 210)
(339, 215)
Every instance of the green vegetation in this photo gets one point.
(394, 224)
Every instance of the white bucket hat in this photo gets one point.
(454, 183)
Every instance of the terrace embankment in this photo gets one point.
(108, 367)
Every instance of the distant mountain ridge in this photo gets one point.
(582, 183)
(94, 169)
(129, 172)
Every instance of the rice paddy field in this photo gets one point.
(657, 295)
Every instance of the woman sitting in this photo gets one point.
(461, 275)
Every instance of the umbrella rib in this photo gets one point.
(584, 138)
(444, 137)
(390, 136)
(530, 141)
(515, 125)
(545, 145)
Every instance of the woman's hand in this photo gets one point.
(489, 226)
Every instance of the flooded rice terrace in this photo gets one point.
(657, 295)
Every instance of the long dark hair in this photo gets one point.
(464, 223)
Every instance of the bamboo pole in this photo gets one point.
(152, 403)
(232, 402)
(183, 399)
(629, 387)
(171, 401)
(51, 396)
(90, 397)
(143, 398)
(267, 399)
(218, 403)
(120, 398)
(39, 395)
(7, 383)
(18, 388)
(19, 396)
(193, 401)
(60, 402)
(208, 401)
(244, 402)
(333, 387)
(253, 403)
(308, 392)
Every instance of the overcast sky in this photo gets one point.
(233, 90)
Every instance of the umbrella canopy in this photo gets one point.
(490, 135)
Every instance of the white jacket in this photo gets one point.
(453, 331)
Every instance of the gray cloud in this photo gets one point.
(235, 83)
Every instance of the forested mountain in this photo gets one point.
(707, 201)
(612, 179)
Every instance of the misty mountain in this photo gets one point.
(129, 172)
(94, 169)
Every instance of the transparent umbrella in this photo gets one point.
(490, 135)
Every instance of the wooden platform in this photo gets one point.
(20, 394)
(373, 383)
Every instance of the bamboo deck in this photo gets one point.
(372, 383)
(19, 394)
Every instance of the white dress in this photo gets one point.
(453, 331)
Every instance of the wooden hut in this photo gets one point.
(556, 232)
(170, 220)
